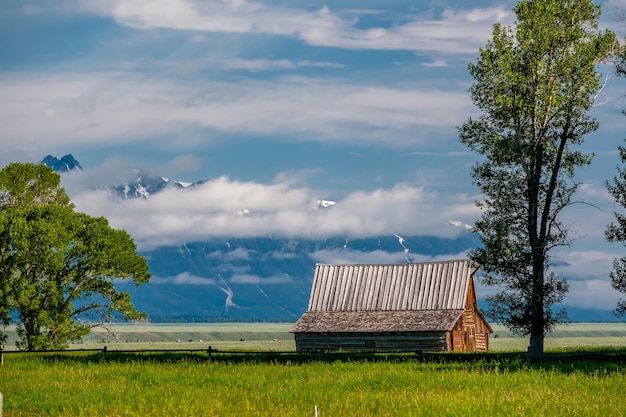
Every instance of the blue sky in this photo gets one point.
(279, 104)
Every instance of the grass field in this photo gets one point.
(179, 384)
(189, 384)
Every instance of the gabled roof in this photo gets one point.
(387, 298)
(392, 287)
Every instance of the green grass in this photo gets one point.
(185, 384)
(188, 384)
(595, 335)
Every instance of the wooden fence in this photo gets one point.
(106, 351)
(619, 355)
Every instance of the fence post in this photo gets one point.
(104, 353)
(209, 351)
(1, 363)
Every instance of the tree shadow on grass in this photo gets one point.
(605, 362)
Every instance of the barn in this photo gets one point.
(405, 307)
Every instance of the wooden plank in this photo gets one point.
(450, 287)
(360, 288)
(350, 290)
(388, 287)
(411, 296)
(375, 341)
(386, 275)
(368, 283)
(455, 291)
(442, 278)
(430, 294)
(376, 293)
(419, 288)
(318, 281)
(403, 287)
(320, 289)
(343, 285)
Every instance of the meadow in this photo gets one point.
(276, 337)
(500, 383)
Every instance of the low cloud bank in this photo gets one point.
(227, 208)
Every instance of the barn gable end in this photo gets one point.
(425, 306)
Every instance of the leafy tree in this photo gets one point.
(23, 185)
(534, 85)
(617, 232)
(58, 267)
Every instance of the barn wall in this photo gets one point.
(471, 333)
(426, 341)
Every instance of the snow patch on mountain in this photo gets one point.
(325, 203)
(457, 223)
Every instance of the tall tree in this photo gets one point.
(617, 232)
(58, 268)
(22, 185)
(534, 84)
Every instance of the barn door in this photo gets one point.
(470, 341)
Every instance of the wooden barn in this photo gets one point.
(405, 307)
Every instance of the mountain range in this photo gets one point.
(65, 164)
(257, 278)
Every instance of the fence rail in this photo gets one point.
(617, 354)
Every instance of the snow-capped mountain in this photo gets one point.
(65, 164)
(259, 278)
(140, 184)
(144, 185)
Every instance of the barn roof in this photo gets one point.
(392, 287)
(387, 297)
(376, 321)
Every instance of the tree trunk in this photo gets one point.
(536, 344)
(537, 320)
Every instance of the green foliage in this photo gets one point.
(534, 85)
(616, 232)
(24, 185)
(620, 65)
(59, 266)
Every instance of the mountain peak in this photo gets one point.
(66, 164)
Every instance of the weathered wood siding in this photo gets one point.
(471, 332)
(426, 341)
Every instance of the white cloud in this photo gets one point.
(183, 278)
(210, 210)
(437, 64)
(115, 108)
(254, 279)
(455, 31)
(231, 255)
(582, 265)
(594, 294)
(587, 273)
(268, 64)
